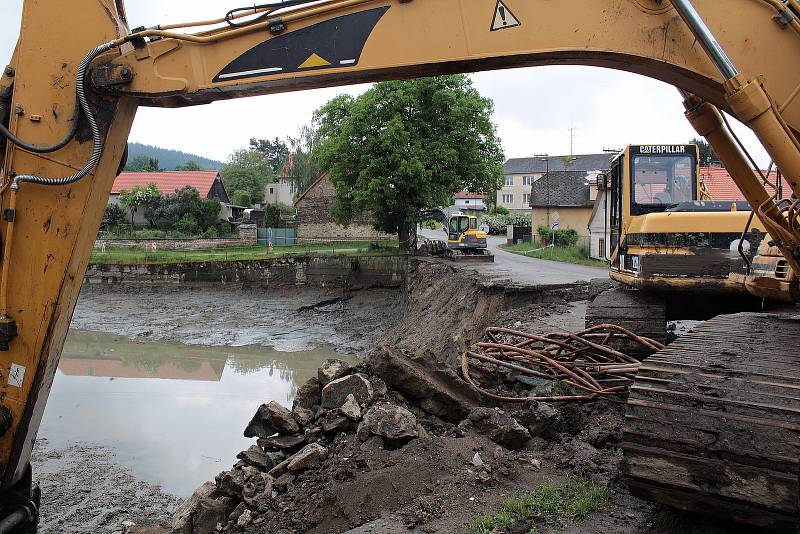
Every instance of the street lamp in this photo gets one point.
(546, 159)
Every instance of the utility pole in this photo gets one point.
(546, 159)
(571, 142)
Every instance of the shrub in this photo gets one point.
(430, 224)
(150, 233)
(186, 224)
(211, 233)
(113, 216)
(498, 210)
(566, 237)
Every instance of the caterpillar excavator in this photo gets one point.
(465, 240)
(713, 420)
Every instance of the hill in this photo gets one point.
(168, 159)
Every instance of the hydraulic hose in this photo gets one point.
(97, 138)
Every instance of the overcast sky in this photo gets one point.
(535, 108)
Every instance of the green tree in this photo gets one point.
(303, 170)
(113, 216)
(241, 197)
(248, 170)
(190, 165)
(407, 145)
(143, 164)
(707, 154)
(187, 204)
(275, 151)
(147, 197)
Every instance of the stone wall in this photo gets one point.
(314, 219)
(248, 236)
(319, 271)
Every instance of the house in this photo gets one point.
(282, 190)
(208, 184)
(469, 202)
(521, 173)
(720, 184)
(566, 198)
(314, 219)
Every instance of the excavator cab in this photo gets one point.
(665, 235)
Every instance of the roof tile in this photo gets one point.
(167, 182)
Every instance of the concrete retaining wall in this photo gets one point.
(319, 271)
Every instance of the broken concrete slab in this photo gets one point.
(256, 457)
(332, 369)
(336, 392)
(309, 456)
(182, 517)
(389, 421)
(350, 408)
(308, 395)
(499, 426)
(270, 419)
(448, 396)
(281, 442)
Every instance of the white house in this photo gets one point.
(466, 201)
(280, 192)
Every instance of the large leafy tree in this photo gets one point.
(148, 197)
(274, 150)
(407, 145)
(247, 170)
(186, 204)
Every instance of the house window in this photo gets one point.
(466, 202)
(271, 190)
(527, 180)
(509, 180)
(526, 199)
(508, 199)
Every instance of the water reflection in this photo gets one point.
(173, 413)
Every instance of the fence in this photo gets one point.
(279, 237)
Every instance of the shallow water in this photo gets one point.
(172, 413)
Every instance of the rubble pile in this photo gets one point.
(347, 423)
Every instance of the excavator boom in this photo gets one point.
(67, 105)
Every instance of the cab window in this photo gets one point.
(661, 181)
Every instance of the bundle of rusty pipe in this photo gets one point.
(584, 361)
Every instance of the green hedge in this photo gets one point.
(497, 223)
(566, 237)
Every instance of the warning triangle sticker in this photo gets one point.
(313, 61)
(503, 18)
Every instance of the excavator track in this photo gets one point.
(712, 423)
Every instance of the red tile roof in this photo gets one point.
(468, 194)
(167, 182)
(721, 186)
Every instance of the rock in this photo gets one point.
(308, 395)
(302, 415)
(127, 527)
(210, 515)
(281, 442)
(258, 491)
(245, 519)
(537, 417)
(331, 370)
(434, 407)
(499, 427)
(237, 512)
(351, 409)
(418, 382)
(309, 456)
(477, 461)
(335, 393)
(335, 421)
(256, 457)
(378, 386)
(231, 482)
(283, 482)
(389, 421)
(372, 443)
(270, 419)
(280, 469)
(182, 518)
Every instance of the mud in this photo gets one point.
(285, 319)
(85, 491)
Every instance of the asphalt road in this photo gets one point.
(523, 269)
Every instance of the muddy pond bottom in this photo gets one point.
(172, 413)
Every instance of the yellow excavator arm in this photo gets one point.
(78, 74)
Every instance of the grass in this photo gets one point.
(142, 255)
(572, 501)
(574, 254)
